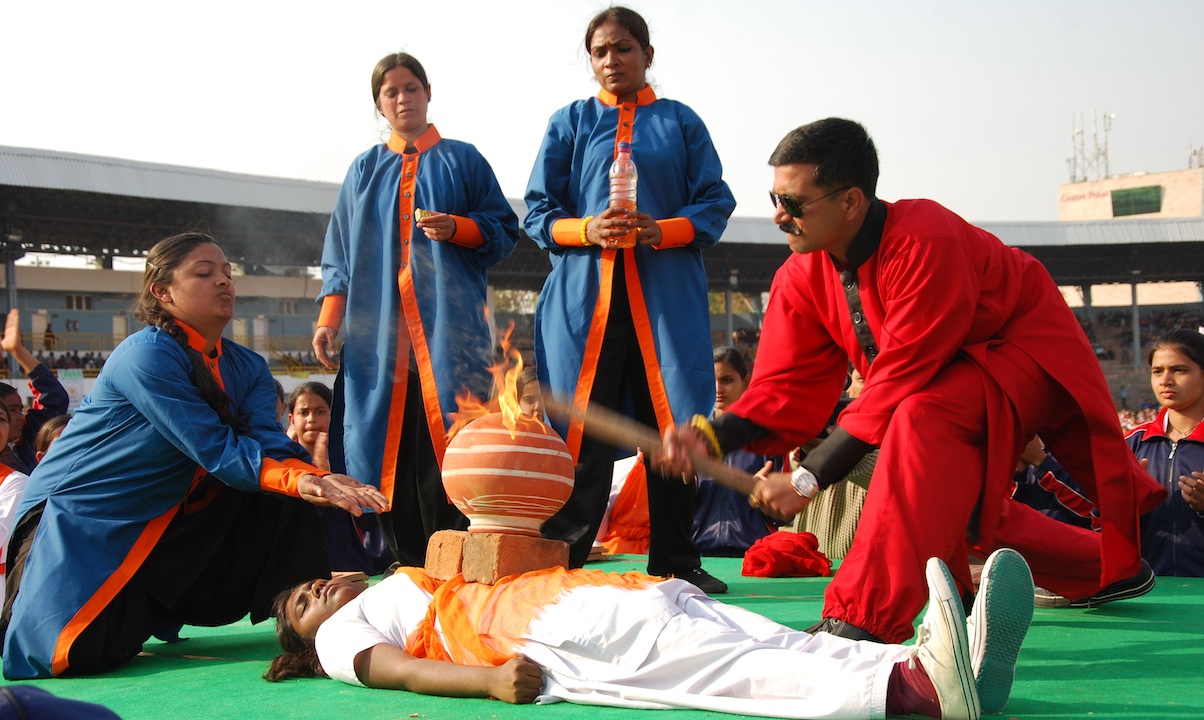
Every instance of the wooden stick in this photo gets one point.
(621, 431)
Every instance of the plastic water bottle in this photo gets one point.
(623, 179)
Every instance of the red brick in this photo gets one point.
(445, 554)
(490, 556)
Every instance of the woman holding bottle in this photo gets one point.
(627, 327)
(418, 221)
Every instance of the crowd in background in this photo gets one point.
(64, 360)
(1153, 324)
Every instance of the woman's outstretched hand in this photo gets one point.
(341, 491)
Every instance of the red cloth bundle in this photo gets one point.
(786, 554)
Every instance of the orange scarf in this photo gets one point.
(482, 624)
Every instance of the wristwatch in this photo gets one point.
(804, 482)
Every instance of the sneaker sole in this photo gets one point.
(1049, 600)
(1002, 614)
(943, 590)
(1119, 594)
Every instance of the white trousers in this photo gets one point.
(676, 647)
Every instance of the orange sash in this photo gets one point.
(483, 624)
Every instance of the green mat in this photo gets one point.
(1134, 659)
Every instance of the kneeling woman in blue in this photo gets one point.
(171, 497)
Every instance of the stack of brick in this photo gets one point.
(487, 557)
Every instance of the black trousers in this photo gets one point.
(621, 384)
(225, 554)
(420, 505)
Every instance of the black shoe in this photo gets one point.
(1136, 586)
(702, 580)
(833, 626)
(166, 630)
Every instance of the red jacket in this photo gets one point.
(936, 288)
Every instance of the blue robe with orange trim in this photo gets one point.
(121, 469)
(364, 255)
(680, 176)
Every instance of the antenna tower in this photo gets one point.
(1084, 167)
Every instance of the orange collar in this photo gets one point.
(645, 96)
(425, 141)
(197, 342)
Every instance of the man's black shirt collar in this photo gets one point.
(869, 237)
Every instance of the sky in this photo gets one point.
(972, 104)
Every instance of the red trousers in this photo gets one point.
(932, 483)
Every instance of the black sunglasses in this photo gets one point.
(794, 207)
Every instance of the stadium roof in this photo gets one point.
(52, 170)
(60, 202)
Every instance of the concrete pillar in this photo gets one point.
(731, 324)
(733, 281)
(1136, 323)
(11, 252)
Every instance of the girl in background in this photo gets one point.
(48, 433)
(1172, 448)
(724, 523)
(355, 544)
(12, 484)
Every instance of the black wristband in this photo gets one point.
(734, 432)
(835, 457)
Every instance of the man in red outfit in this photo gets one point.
(968, 350)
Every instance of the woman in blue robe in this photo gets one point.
(628, 328)
(419, 220)
(164, 500)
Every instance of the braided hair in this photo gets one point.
(161, 264)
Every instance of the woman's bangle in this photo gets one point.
(704, 426)
(585, 224)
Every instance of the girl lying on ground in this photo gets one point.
(650, 643)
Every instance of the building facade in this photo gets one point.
(1177, 194)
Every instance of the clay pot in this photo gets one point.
(504, 484)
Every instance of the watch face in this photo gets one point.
(805, 483)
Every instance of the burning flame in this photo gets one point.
(505, 372)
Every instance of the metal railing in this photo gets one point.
(286, 354)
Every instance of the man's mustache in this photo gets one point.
(789, 228)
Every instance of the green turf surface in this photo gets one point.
(1134, 659)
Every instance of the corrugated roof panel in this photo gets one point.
(67, 171)
(1099, 232)
(87, 173)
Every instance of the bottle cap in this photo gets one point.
(624, 146)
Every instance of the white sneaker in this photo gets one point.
(942, 649)
(1003, 610)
